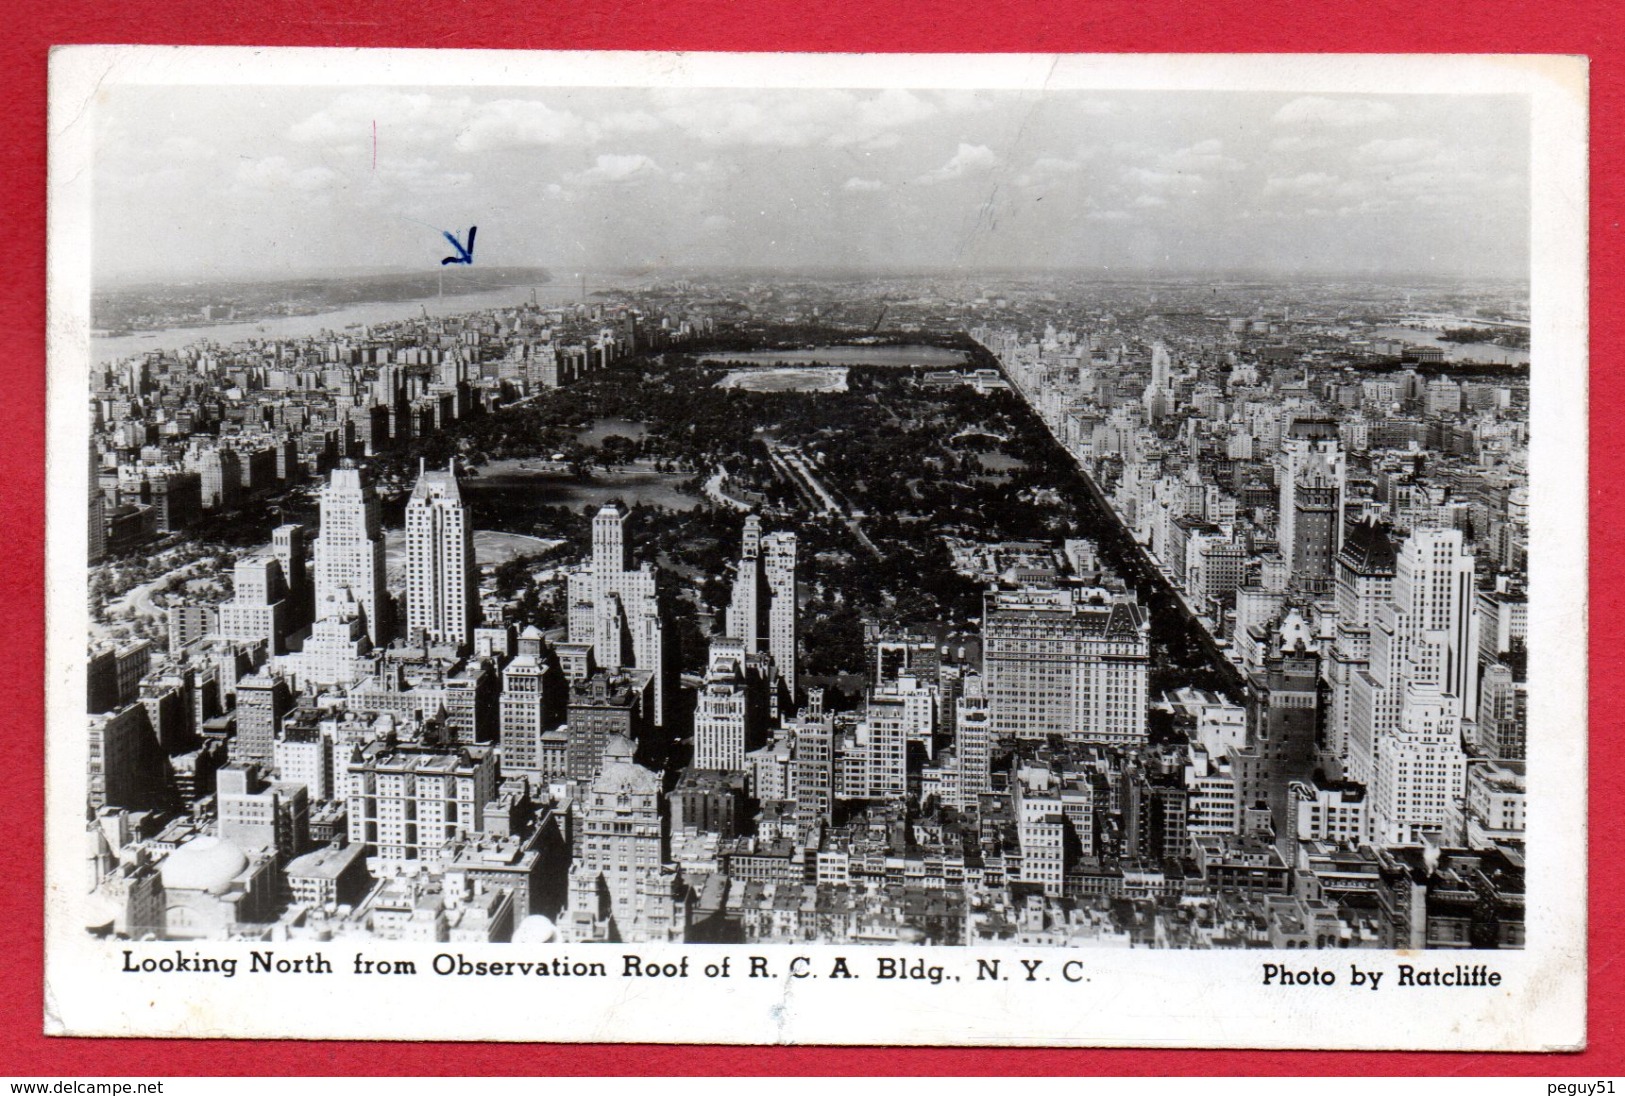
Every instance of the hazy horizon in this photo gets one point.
(220, 183)
(139, 280)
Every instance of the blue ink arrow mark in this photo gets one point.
(464, 254)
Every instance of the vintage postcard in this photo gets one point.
(1080, 551)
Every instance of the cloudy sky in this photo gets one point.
(201, 182)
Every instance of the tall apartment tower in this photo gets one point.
(614, 609)
(442, 599)
(762, 613)
(350, 551)
(779, 563)
(1309, 524)
(1057, 661)
(288, 545)
(258, 610)
(609, 553)
(747, 611)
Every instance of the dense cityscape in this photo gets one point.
(1008, 609)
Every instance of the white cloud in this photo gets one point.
(617, 168)
(858, 185)
(1057, 165)
(1108, 216)
(522, 123)
(1305, 183)
(1429, 179)
(420, 175)
(1165, 181)
(399, 117)
(1149, 201)
(798, 119)
(1201, 157)
(629, 121)
(1299, 142)
(1399, 150)
(969, 159)
(891, 109)
(1315, 110)
(276, 173)
(1050, 169)
(731, 118)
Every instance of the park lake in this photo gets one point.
(514, 486)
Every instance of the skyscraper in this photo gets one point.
(779, 562)
(1309, 523)
(813, 772)
(1364, 584)
(441, 593)
(747, 611)
(258, 611)
(1434, 602)
(350, 551)
(288, 545)
(529, 706)
(1424, 645)
(725, 727)
(1159, 395)
(613, 608)
(973, 744)
(762, 613)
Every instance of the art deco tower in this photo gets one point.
(441, 595)
(350, 552)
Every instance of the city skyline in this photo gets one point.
(194, 179)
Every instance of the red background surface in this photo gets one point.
(930, 26)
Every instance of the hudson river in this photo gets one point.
(119, 347)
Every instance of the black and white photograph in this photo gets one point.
(1076, 551)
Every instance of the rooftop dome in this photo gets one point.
(534, 929)
(203, 864)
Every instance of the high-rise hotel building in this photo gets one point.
(1309, 523)
(1364, 584)
(1065, 662)
(620, 889)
